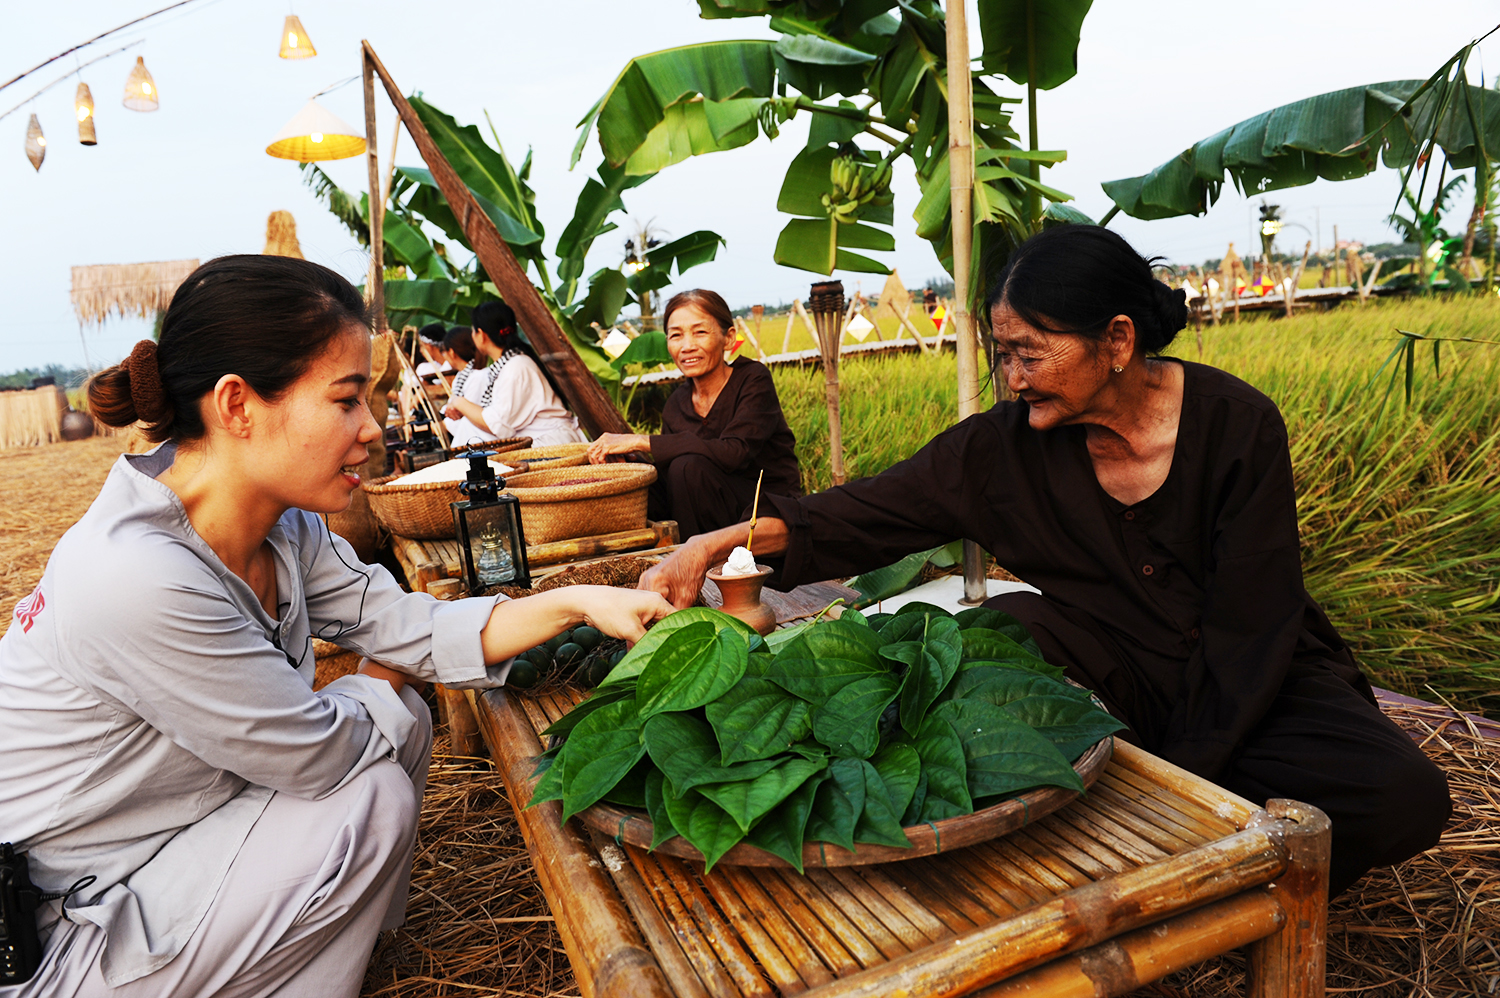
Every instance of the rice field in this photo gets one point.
(1399, 505)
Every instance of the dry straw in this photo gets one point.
(281, 236)
(32, 417)
(126, 289)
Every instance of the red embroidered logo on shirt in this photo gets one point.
(28, 609)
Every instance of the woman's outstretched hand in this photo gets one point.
(617, 443)
(516, 625)
(621, 613)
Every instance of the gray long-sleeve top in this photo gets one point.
(149, 706)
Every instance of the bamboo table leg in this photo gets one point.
(1290, 964)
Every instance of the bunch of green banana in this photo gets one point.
(856, 185)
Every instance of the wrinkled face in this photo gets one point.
(695, 341)
(1058, 375)
(315, 438)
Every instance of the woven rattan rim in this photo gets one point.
(387, 486)
(536, 487)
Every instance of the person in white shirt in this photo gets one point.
(517, 399)
(430, 338)
(224, 829)
(469, 383)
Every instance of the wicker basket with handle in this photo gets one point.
(560, 503)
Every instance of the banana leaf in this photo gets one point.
(427, 200)
(649, 348)
(485, 170)
(638, 100)
(1055, 26)
(694, 127)
(599, 198)
(688, 251)
(1334, 136)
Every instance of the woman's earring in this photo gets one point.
(1118, 369)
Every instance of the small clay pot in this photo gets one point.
(77, 425)
(742, 597)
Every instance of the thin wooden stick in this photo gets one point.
(754, 512)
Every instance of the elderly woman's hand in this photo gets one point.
(617, 443)
(680, 577)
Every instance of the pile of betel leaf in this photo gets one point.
(840, 731)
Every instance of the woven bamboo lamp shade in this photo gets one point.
(140, 89)
(281, 236)
(83, 105)
(315, 134)
(294, 41)
(36, 143)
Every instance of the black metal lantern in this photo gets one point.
(488, 527)
(423, 448)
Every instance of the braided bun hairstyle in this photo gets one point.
(1076, 278)
(264, 318)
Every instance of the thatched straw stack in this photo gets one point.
(32, 417)
(126, 289)
(281, 236)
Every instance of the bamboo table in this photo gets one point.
(1154, 870)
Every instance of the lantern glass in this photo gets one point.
(491, 543)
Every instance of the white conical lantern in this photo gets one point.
(294, 41)
(36, 143)
(316, 133)
(140, 89)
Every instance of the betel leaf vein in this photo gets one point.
(849, 723)
(1003, 755)
(635, 660)
(698, 663)
(756, 719)
(684, 748)
(824, 658)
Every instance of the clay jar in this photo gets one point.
(742, 597)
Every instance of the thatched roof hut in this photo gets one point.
(281, 236)
(126, 289)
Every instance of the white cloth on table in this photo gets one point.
(300, 905)
(523, 404)
(150, 707)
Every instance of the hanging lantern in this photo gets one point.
(140, 89)
(83, 104)
(316, 133)
(36, 143)
(294, 41)
(826, 303)
(488, 526)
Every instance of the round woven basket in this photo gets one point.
(555, 456)
(501, 446)
(560, 503)
(420, 511)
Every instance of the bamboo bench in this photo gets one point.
(1154, 870)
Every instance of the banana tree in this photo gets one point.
(1334, 136)
(441, 291)
(873, 76)
(1436, 247)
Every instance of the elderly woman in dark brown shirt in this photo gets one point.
(720, 430)
(1151, 501)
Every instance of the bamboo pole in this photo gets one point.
(375, 288)
(1290, 964)
(961, 198)
(827, 300)
(791, 317)
(580, 389)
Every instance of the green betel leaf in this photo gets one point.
(600, 752)
(890, 782)
(932, 670)
(780, 832)
(913, 813)
(705, 825)
(631, 790)
(994, 620)
(779, 639)
(849, 723)
(602, 698)
(746, 801)
(918, 607)
(1004, 755)
(758, 719)
(662, 828)
(636, 659)
(696, 664)
(839, 802)
(824, 658)
(944, 771)
(684, 748)
(550, 786)
(1073, 725)
(1001, 684)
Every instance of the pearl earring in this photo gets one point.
(1118, 368)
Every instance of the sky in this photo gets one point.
(193, 179)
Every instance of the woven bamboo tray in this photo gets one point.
(555, 456)
(626, 824)
(559, 503)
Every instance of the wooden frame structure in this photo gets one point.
(1154, 871)
(580, 389)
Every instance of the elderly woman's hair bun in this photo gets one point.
(1076, 278)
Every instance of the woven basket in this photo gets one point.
(555, 456)
(554, 507)
(418, 511)
(500, 446)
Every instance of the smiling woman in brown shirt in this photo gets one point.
(1151, 501)
(720, 430)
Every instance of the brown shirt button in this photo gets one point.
(1130, 514)
(1193, 634)
(1147, 569)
